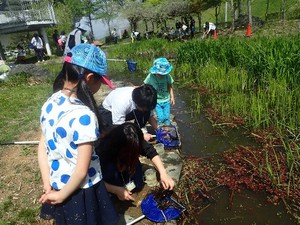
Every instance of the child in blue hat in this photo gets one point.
(73, 188)
(160, 78)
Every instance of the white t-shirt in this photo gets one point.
(37, 42)
(119, 102)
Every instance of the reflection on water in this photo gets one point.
(198, 136)
(248, 208)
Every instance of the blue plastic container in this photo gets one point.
(131, 65)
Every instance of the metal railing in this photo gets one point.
(29, 14)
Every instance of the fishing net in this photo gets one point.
(162, 209)
(168, 136)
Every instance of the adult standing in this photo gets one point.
(114, 35)
(38, 47)
(192, 26)
(209, 29)
(76, 36)
(55, 38)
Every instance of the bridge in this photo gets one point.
(26, 15)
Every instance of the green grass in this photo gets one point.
(21, 101)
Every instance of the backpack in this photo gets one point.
(71, 42)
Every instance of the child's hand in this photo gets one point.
(53, 197)
(147, 136)
(47, 188)
(172, 101)
(123, 194)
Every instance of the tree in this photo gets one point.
(198, 6)
(133, 11)
(106, 10)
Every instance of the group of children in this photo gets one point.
(87, 151)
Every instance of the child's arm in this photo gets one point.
(43, 164)
(80, 172)
(166, 181)
(172, 98)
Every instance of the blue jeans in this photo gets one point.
(163, 113)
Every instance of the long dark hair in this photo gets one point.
(122, 145)
(75, 73)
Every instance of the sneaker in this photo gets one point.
(38, 61)
(43, 60)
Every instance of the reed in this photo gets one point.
(256, 78)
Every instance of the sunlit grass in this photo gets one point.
(20, 109)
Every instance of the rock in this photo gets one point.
(39, 73)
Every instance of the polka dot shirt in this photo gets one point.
(67, 122)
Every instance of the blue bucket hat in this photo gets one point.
(161, 66)
(92, 58)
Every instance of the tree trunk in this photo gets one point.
(249, 12)
(217, 12)
(232, 8)
(146, 25)
(152, 22)
(226, 7)
(267, 10)
(238, 9)
(92, 31)
(283, 4)
(199, 16)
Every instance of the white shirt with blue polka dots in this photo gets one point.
(67, 122)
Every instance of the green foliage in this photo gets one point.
(64, 20)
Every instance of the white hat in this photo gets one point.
(84, 24)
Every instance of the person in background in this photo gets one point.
(185, 31)
(209, 29)
(159, 77)
(73, 189)
(55, 38)
(76, 36)
(21, 55)
(38, 47)
(114, 35)
(192, 26)
(178, 26)
(62, 41)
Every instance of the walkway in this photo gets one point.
(172, 162)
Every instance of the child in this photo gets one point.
(162, 81)
(70, 168)
(119, 152)
(38, 47)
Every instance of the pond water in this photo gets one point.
(200, 138)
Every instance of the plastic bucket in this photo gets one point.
(131, 65)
